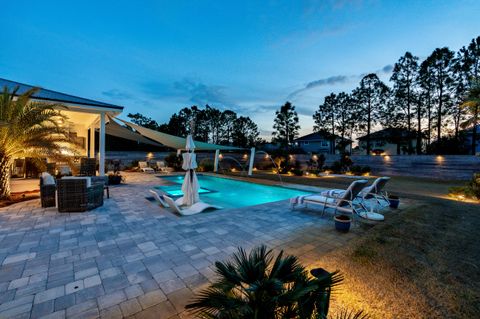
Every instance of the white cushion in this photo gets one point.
(89, 180)
(47, 179)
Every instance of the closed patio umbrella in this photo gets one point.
(190, 184)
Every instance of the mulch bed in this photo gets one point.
(18, 197)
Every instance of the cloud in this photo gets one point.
(387, 68)
(117, 94)
(200, 93)
(333, 80)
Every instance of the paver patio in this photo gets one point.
(131, 258)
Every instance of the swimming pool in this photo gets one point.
(230, 193)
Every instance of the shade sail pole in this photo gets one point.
(215, 162)
(250, 163)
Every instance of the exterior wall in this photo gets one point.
(315, 146)
(388, 148)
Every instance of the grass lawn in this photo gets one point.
(422, 262)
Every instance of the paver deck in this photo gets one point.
(131, 258)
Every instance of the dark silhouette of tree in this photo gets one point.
(285, 125)
(404, 76)
(440, 62)
(426, 95)
(144, 121)
(325, 117)
(245, 132)
(345, 118)
(371, 95)
(472, 106)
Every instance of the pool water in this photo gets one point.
(230, 193)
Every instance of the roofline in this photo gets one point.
(94, 103)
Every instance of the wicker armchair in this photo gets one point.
(47, 194)
(88, 166)
(74, 195)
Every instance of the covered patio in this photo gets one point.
(84, 118)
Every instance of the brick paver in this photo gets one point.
(132, 258)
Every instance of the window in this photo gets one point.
(325, 143)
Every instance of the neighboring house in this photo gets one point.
(389, 141)
(468, 139)
(322, 142)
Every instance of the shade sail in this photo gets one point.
(115, 129)
(176, 142)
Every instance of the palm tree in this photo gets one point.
(472, 105)
(261, 286)
(31, 129)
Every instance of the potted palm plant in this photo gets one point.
(260, 285)
(30, 129)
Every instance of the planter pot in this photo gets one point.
(114, 180)
(342, 223)
(394, 202)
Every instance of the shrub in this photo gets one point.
(174, 161)
(471, 190)
(297, 172)
(205, 166)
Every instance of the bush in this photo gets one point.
(470, 191)
(297, 172)
(114, 179)
(205, 166)
(174, 161)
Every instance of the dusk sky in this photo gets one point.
(249, 56)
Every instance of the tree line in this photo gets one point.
(212, 125)
(431, 99)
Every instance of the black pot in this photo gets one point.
(114, 180)
(342, 223)
(394, 202)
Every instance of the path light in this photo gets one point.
(149, 155)
(440, 159)
(315, 157)
(220, 156)
(245, 156)
(386, 158)
(254, 169)
(233, 169)
(267, 156)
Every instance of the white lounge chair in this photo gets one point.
(159, 198)
(162, 168)
(144, 167)
(342, 201)
(375, 191)
(191, 210)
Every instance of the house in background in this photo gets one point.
(322, 143)
(389, 141)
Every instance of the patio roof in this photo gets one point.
(177, 142)
(76, 103)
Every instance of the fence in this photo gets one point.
(430, 166)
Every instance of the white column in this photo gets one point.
(101, 149)
(215, 163)
(252, 159)
(92, 142)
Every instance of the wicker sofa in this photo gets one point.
(79, 194)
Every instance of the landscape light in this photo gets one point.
(220, 156)
(440, 159)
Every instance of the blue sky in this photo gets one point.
(248, 56)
